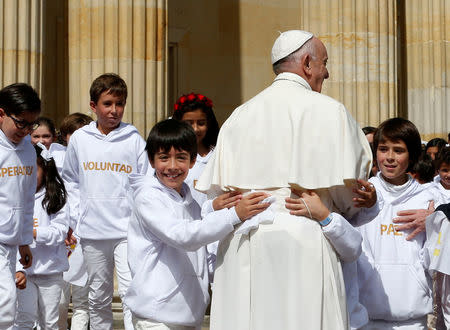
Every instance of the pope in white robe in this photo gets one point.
(282, 273)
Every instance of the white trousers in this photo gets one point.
(143, 324)
(101, 256)
(80, 307)
(445, 299)
(8, 256)
(39, 301)
(415, 324)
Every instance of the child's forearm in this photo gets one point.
(344, 237)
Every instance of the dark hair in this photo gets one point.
(18, 98)
(368, 130)
(55, 192)
(424, 168)
(171, 133)
(73, 122)
(44, 121)
(396, 129)
(436, 142)
(108, 82)
(443, 157)
(192, 102)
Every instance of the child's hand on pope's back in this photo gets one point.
(227, 200)
(308, 205)
(21, 280)
(366, 194)
(250, 205)
(26, 258)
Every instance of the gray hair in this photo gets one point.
(295, 57)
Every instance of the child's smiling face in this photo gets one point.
(172, 167)
(444, 174)
(393, 161)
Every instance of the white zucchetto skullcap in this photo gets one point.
(288, 42)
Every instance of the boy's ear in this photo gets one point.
(152, 163)
(92, 105)
(2, 115)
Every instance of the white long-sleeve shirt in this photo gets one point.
(17, 188)
(167, 254)
(95, 173)
(394, 284)
(48, 249)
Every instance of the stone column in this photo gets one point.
(360, 37)
(428, 63)
(21, 42)
(128, 37)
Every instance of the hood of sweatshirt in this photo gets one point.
(122, 132)
(7, 144)
(398, 194)
(141, 183)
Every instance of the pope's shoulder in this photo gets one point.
(289, 95)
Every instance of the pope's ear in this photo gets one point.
(306, 61)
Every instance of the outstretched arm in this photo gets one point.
(344, 238)
(413, 219)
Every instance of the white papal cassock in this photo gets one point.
(284, 274)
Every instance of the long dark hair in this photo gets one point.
(192, 102)
(55, 193)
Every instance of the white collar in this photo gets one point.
(293, 77)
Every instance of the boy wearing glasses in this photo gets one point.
(19, 109)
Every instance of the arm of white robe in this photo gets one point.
(345, 239)
(142, 160)
(70, 176)
(27, 224)
(343, 200)
(56, 232)
(184, 234)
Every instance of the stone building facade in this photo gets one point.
(386, 57)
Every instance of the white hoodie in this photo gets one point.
(48, 249)
(167, 254)
(17, 188)
(445, 193)
(393, 282)
(95, 173)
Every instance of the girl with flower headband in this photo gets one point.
(39, 301)
(196, 110)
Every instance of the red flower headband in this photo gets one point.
(192, 97)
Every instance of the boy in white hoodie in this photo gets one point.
(19, 109)
(99, 158)
(167, 238)
(394, 285)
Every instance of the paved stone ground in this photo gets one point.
(118, 321)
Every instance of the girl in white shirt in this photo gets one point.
(196, 110)
(442, 184)
(44, 133)
(39, 301)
